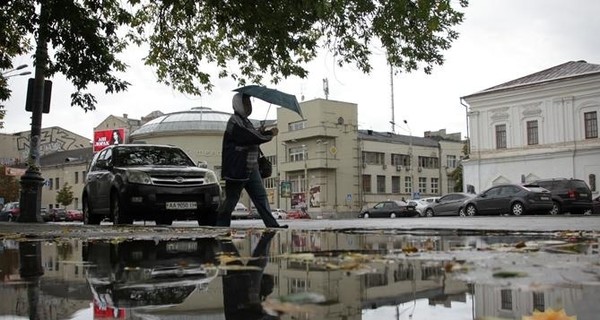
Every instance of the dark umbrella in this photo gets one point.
(273, 96)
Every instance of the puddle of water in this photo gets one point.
(304, 275)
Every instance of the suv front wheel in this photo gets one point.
(116, 210)
(555, 208)
(88, 216)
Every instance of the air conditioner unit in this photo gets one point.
(420, 169)
(398, 167)
(364, 165)
(407, 168)
(384, 166)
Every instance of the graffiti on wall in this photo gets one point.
(51, 140)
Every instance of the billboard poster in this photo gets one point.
(105, 138)
(286, 189)
(315, 196)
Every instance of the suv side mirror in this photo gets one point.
(203, 164)
(102, 164)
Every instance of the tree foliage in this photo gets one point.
(9, 186)
(246, 40)
(65, 196)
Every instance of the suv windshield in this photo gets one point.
(145, 156)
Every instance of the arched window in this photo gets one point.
(592, 182)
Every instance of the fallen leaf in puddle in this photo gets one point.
(301, 302)
(299, 256)
(410, 249)
(509, 274)
(453, 266)
(550, 314)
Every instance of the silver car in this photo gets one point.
(448, 205)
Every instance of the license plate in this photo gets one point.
(181, 205)
(182, 246)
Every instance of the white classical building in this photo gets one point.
(542, 125)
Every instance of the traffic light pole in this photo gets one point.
(32, 181)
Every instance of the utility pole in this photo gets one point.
(410, 157)
(32, 181)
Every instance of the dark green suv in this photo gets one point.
(569, 195)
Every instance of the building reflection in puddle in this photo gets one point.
(301, 275)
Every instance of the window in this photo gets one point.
(429, 162)
(50, 183)
(422, 185)
(372, 157)
(57, 183)
(532, 133)
(270, 183)
(451, 161)
(273, 160)
(76, 177)
(380, 184)
(591, 124)
(298, 285)
(297, 154)
(592, 182)
(501, 136)
(366, 182)
(395, 184)
(82, 176)
(506, 299)
(400, 160)
(435, 182)
(408, 185)
(403, 273)
(451, 185)
(297, 125)
(538, 301)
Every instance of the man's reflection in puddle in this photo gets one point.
(245, 287)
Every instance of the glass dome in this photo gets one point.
(196, 119)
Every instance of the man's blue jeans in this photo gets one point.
(256, 190)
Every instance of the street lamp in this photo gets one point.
(10, 74)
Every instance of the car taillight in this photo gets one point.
(571, 194)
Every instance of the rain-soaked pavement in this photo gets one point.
(253, 273)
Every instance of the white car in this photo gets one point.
(240, 212)
(279, 213)
(422, 203)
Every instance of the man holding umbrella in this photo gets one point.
(239, 162)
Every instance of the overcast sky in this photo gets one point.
(499, 41)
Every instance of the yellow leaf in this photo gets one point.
(550, 314)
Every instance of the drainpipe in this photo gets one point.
(467, 121)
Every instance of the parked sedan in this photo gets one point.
(596, 205)
(510, 199)
(279, 213)
(74, 215)
(421, 204)
(389, 209)
(448, 205)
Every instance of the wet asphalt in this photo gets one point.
(141, 229)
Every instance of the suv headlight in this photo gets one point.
(138, 177)
(210, 177)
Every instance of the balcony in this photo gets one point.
(311, 164)
(309, 133)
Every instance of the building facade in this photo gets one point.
(543, 125)
(322, 162)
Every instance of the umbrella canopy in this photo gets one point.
(273, 96)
